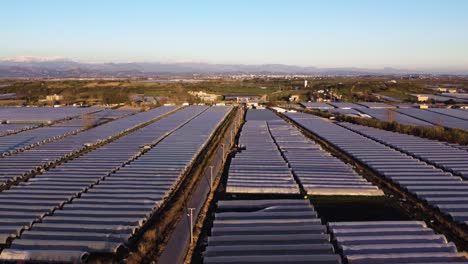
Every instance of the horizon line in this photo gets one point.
(38, 59)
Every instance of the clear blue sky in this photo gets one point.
(325, 33)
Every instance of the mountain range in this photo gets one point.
(65, 68)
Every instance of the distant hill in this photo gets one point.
(63, 68)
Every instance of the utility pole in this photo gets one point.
(190, 214)
(211, 177)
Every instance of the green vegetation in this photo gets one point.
(278, 90)
(324, 114)
(106, 92)
(364, 91)
(110, 92)
(451, 135)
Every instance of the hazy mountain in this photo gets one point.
(32, 67)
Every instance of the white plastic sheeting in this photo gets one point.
(25, 139)
(393, 242)
(458, 113)
(14, 167)
(345, 105)
(41, 114)
(259, 168)
(260, 114)
(30, 201)
(57, 131)
(105, 217)
(440, 154)
(96, 118)
(442, 190)
(6, 129)
(391, 115)
(268, 231)
(345, 111)
(319, 106)
(318, 172)
(376, 105)
(435, 118)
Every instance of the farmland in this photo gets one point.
(278, 89)
(250, 218)
(234, 132)
(223, 183)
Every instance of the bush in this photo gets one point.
(451, 135)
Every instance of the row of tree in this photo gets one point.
(451, 135)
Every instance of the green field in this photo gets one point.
(350, 89)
